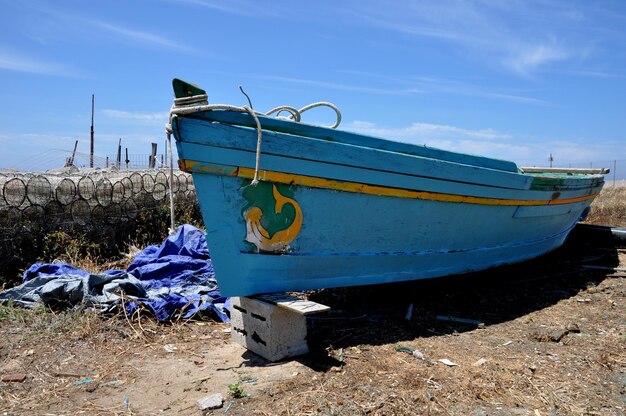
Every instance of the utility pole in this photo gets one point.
(91, 147)
(551, 159)
(119, 154)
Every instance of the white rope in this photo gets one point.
(322, 104)
(295, 114)
(195, 104)
(168, 129)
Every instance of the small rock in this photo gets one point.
(15, 378)
(170, 347)
(479, 362)
(447, 362)
(549, 335)
(214, 401)
(572, 327)
(91, 387)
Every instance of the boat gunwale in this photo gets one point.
(496, 178)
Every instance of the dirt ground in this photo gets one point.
(551, 341)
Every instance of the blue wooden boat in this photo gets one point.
(333, 208)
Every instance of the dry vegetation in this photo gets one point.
(553, 343)
(609, 208)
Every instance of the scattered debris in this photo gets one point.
(201, 380)
(248, 380)
(67, 374)
(507, 343)
(414, 353)
(84, 381)
(214, 401)
(448, 318)
(447, 362)
(14, 378)
(611, 269)
(228, 407)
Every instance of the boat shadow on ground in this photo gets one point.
(376, 314)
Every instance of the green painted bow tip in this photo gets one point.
(186, 89)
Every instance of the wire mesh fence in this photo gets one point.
(103, 204)
(76, 198)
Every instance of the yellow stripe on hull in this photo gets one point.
(361, 188)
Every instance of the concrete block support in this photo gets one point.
(270, 329)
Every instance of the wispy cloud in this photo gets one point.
(428, 85)
(493, 143)
(419, 131)
(531, 57)
(515, 35)
(487, 142)
(14, 62)
(140, 37)
(341, 86)
(236, 7)
(128, 115)
(72, 24)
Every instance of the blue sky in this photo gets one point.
(511, 79)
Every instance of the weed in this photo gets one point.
(237, 391)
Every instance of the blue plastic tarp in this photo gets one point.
(173, 279)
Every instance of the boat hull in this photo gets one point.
(319, 220)
(359, 239)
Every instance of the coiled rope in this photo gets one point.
(199, 103)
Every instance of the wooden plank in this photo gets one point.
(301, 306)
(338, 154)
(307, 130)
(601, 171)
(609, 269)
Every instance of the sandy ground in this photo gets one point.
(552, 342)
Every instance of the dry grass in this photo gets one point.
(609, 208)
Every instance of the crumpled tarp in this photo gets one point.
(175, 277)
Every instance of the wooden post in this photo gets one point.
(118, 162)
(127, 159)
(91, 147)
(153, 156)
